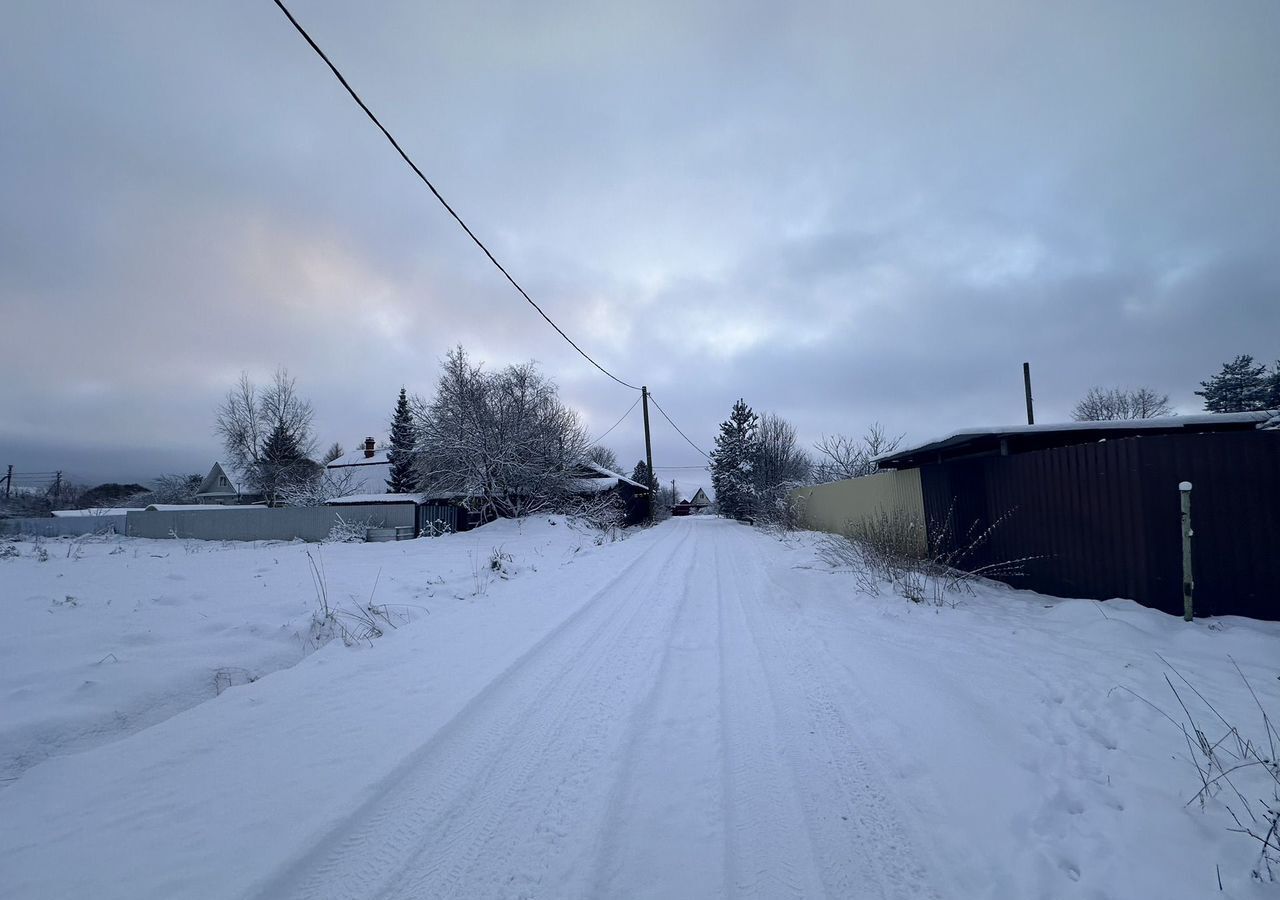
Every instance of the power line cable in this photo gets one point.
(614, 425)
(677, 428)
(405, 156)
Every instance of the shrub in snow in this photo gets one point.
(344, 532)
(604, 513)
(922, 564)
(436, 528)
(353, 623)
(9, 551)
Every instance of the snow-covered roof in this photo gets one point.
(368, 476)
(357, 458)
(354, 499)
(604, 474)
(96, 511)
(1162, 423)
(592, 485)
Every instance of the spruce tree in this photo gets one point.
(402, 479)
(281, 464)
(281, 446)
(1239, 387)
(732, 463)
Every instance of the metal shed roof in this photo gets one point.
(1021, 438)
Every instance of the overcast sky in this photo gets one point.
(842, 212)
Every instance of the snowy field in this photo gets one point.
(700, 710)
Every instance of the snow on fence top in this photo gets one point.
(354, 499)
(95, 511)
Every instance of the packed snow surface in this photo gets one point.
(700, 710)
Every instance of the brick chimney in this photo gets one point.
(369, 446)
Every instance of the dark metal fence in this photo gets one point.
(438, 518)
(1101, 520)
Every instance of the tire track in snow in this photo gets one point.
(768, 851)
(542, 838)
(665, 821)
(858, 835)
(431, 818)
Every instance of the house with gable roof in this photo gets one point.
(220, 489)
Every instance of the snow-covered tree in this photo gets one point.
(503, 439)
(328, 485)
(779, 466)
(732, 461)
(403, 477)
(335, 451)
(171, 489)
(1239, 387)
(248, 417)
(1107, 404)
(604, 457)
(841, 456)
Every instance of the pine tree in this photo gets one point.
(732, 463)
(402, 479)
(1273, 387)
(1239, 387)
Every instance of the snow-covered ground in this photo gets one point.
(700, 710)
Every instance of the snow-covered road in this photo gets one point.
(670, 739)
(701, 710)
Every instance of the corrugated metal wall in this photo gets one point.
(63, 526)
(832, 507)
(436, 517)
(262, 524)
(1102, 519)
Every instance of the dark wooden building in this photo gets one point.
(1093, 507)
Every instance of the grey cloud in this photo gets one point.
(841, 213)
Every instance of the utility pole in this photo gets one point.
(648, 448)
(57, 485)
(8, 481)
(1026, 385)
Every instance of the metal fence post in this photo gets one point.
(1188, 582)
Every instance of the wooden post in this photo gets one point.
(1026, 386)
(648, 450)
(1188, 582)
